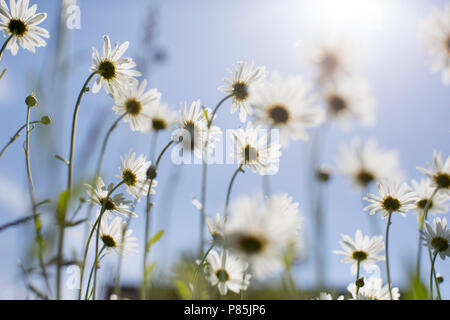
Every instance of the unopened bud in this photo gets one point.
(31, 100)
(45, 120)
(360, 282)
(151, 173)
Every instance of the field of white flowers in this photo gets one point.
(252, 237)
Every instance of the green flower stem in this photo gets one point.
(94, 266)
(225, 211)
(69, 184)
(34, 203)
(204, 175)
(197, 270)
(436, 282)
(431, 274)
(422, 223)
(358, 269)
(147, 223)
(105, 143)
(94, 227)
(15, 136)
(388, 274)
(5, 44)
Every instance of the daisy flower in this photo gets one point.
(436, 35)
(392, 197)
(327, 296)
(437, 237)
(373, 289)
(366, 163)
(424, 191)
(363, 251)
(135, 104)
(254, 151)
(161, 116)
(20, 24)
(114, 204)
(350, 98)
(113, 236)
(114, 72)
(286, 105)
(228, 277)
(194, 129)
(261, 231)
(439, 173)
(241, 77)
(133, 171)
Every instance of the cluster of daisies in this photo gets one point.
(252, 238)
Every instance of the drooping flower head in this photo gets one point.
(133, 171)
(135, 104)
(21, 22)
(436, 35)
(113, 72)
(114, 204)
(232, 276)
(241, 78)
(253, 150)
(287, 105)
(392, 197)
(439, 172)
(437, 237)
(363, 250)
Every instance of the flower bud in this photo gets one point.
(31, 100)
(45, 120)
(151, 173)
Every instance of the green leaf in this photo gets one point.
(62, 159)
(62, 206)
(153, 240)
(205, 113)
(183, 290)
(416, 289)
(3, 73)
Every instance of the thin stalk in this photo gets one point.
(86, 250)
(388, 274)
(117, 290)
(15, 136)
(357, 277)
(197, 270)
(204, 176)
(34, 202)
(431, 274)
(425, 217)
(436, 282)
(105, 143)
(94, 266)
(5, 44)
(147, 222)
(69, 183)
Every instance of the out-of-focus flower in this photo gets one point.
(21, 23)
(373, 290)
(362, 250)
(133, 171)
(135, 103)
(161, 116)
(366, 163)
(113, 204)
(114, 238)
(327, 296)
(216, 228)
(241, 78)
(286, 105)
(424, 191)
(437, 237)
(439, 172)
(436, 35)
(232, 276)
(114, 72)
(254, 151)
(261, 230)
(350, 99)
(392, 197)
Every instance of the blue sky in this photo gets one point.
(203, 39)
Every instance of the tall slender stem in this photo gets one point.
(388, 274)
(105, 143)
(147, 223)
(422, 222)
(34, 202)
(431, 274)
(94, 266)
(358, 269)
(69, 184)
(204, 175)
(197, 270)
(5, 44)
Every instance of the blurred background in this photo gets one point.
(184, 49)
